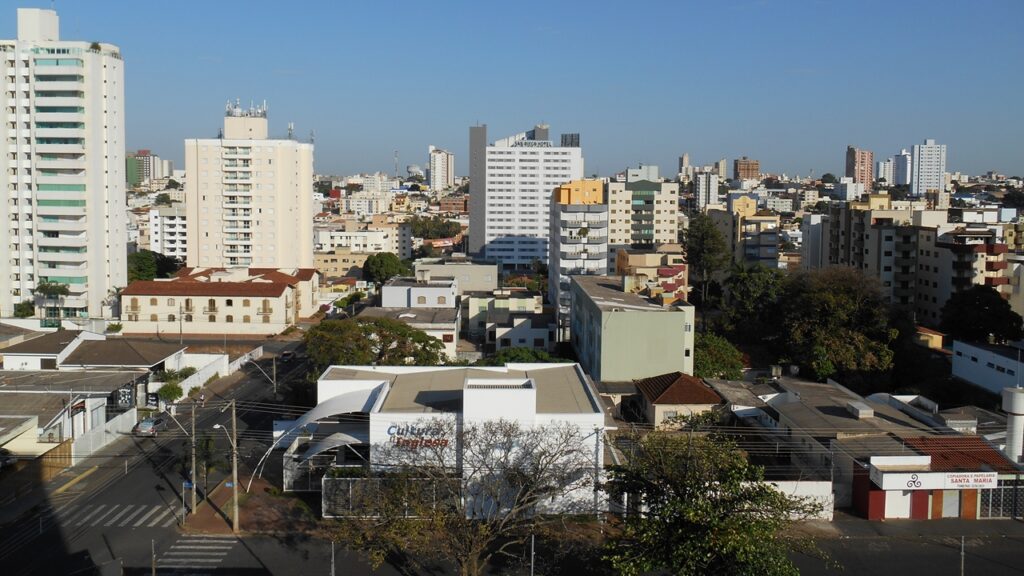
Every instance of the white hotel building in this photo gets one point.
(510, 193)
(249, 197)
(62, 157)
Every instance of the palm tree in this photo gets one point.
(51, 291)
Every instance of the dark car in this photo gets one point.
(150, 426)
(287, 356)
(7, 459)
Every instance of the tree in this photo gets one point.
(518, 354)
(170, 392)
(752, 294)
(366, 341)
(141, 266)
(706, 252)
(716, 357)
(828, 178)
(979, 312)
(208, 459)
(1013, 199)
(467, 493)
(705, 510)
(383, 266)
(173, 184)
(51, 292)
(434, 227)
(163, 199)
(833, 321)
(24, 309)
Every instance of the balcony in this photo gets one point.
(210, 310)
(61, 225)
(64, 241)
(904, 276)
(996, 281)
(904, 262)
(265, 311)
(996, 265)
(994, 249)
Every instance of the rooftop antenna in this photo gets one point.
(291, 131)
(396, 164)
(312, 136)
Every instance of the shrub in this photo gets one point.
(114, 328)
(169, 392)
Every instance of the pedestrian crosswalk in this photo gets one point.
(118, 515)
(195, 555)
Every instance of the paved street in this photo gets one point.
(125, 504)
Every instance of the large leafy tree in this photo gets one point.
(716, 357)
(752, 293)
(704, 509)
(835, 321)
(366, 341)
(147, 265)
(383, 266)
(977, 313)
(467, 492)
(518, 354)
(706, 252)
(434, 227)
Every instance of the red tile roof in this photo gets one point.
(924, 330)
(677, 388)
(195, 288)
(961, 454)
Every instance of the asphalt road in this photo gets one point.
(125, 507)
(933, 555)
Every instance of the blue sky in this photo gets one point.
(790, 82)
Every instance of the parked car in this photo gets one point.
(150, 426)
(287, 356)
(7, 459)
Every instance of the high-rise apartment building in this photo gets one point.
(884, 171)
(929, 168)
(64, 221)
(441, 169)
(902, 171)
(511, 181)
(746, 169)
(641, 214)
(168, 231)
(249, 198)
(860, 165)
(705, 190)
(579, 241)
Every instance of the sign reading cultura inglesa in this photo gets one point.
(415, 437)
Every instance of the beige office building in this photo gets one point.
(249, 197)
(860, 165)
(641, 214)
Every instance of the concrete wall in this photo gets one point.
(981, 367)
(818, 493)
(470, 277)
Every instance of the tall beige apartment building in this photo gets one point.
(860, 165)
(746, 169)
(249, 197)
(641, 214)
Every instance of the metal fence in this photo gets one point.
(1003, 501)
(365, 497)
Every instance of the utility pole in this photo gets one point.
(152, 553)
(234, 468)
(193, 473)
(961, 556)
(274, 374)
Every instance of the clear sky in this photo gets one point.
(789, 82)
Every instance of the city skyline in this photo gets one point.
(783, 84)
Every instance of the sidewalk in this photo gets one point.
(262, 510)
(849, 526)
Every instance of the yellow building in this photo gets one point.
(580, 192)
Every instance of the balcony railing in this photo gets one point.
(210, 310)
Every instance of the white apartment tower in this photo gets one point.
(929, 168)
(884, 171)
(510, 193)
(64, 219)
(901, 168)
(249, 198)
(441, 169)
(168, 230)
(705, 190)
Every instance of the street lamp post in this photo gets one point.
(273, 379)
(233, 439)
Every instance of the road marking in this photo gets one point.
(171, 520)
(189, 560)
(119, 514)
(132, 515)
(77, 509)
(76, 480)
(148, 514)
(97, 520)
(158, 518)
(91, 514)
(197, 547)
(196, 552)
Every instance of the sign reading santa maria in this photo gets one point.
(933, 480)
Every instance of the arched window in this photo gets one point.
(229, 302)
(188, 317)
(441, 300)
(211, 304)
(188, 303)
(212, 318)
(170, 301)
(246, 303)
(135, 302)
(421, 300)
(152, 301)
(152, 318)
(247, 319)
(229, 318)
(171, 318)
(266, 319)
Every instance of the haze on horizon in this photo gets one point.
(789, 83)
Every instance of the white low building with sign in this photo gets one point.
(379, 417)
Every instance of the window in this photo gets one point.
(687, 353)
(229, 302)
(152, 318)
(135, 303)
(247, 319)
(188, 317)
(245, 303)
(447, 338)
(229, 318)
(421, 299)
(670, 414)
(212, 318)
(170, 301)
(211, 304)
(152, 301)
(266, 319)
(538, 342)
(441, 300)
(506, 342)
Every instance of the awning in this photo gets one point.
(347, 403)
(334, 441)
